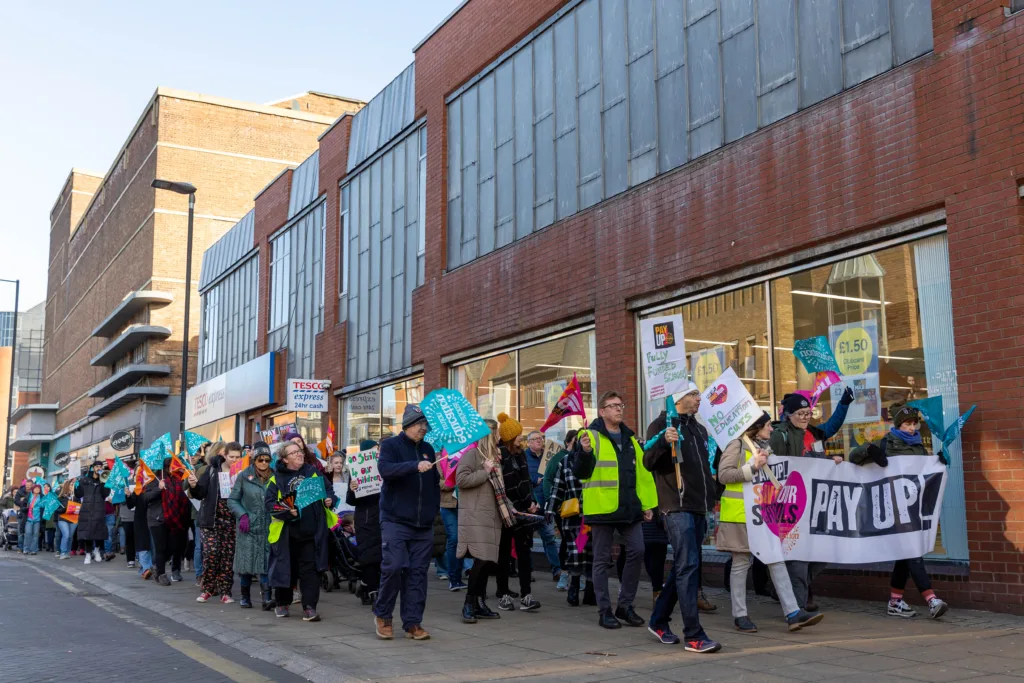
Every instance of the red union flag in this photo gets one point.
(569, 403)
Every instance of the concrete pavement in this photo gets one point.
(856, 641)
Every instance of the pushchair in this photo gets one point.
(344, 567)
(9, 539)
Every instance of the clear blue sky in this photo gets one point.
(74, 78)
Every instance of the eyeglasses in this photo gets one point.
(536, 438)
(615, 406)
(263, 458)
(802, 414)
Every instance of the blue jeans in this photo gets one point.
(145, 559)
(197, 556)
(245, 580)
(686, 533)
(67, 532)
(108, 545)
(450, 517)
(406, 551)
(547, 536)
(32, 536)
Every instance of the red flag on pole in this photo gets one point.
(569, 403)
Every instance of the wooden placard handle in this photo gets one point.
(767, 470)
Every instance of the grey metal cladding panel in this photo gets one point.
(698, 9)
(523, 109)
(702, 56)
(566, 155)
(643, 123)
(485, 231)
(777, 59)
(470, 214)
(305, 184)
(614, 99)
(399, 201)
(588, 60)
(544, 129)
(387, 199)
(226, 252)
(387, 275)
(867, 43)
(375, 192)
(911, 28)
(412, 185)
(384, 117)
(736, 16)
(455, 149)
(673, 147)
(739, 70)
(470, 223)
(821, 59)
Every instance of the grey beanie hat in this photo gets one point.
(413, 414)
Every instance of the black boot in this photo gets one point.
(245, 602)
(468, 610)
(267, 597)
(482, 611)
(573, 596)
(588, 594)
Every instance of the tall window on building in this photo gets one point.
(280, 280)
(423, 194)
(343, 245)
(377, 414)
(211, 323)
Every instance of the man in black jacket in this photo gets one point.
(685, 512)
(21, 502)
(410, 499)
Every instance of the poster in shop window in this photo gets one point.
(663, 354)
(706, 365)
(856, 350)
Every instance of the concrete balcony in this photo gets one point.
(126, 396)
(126, 377)
(130, 339)
(132, 304)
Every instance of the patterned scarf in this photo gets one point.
(176, 507)
(508, 513)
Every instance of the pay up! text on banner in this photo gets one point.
(664, 355)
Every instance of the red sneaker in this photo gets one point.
(203, 597)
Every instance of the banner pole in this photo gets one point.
(767, 470)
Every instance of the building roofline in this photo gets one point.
(331, 127)
(318, 94)
(437, 28)
(274, 180)
(67, 180)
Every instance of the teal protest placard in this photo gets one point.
(154, 456)
(816, 355)
(118, 478)
(51, 503)
(193, 442)
(955, 428)
(931, 410)
(310, 491)
(454, 423)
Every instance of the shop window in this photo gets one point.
(526, 383)
(220, 430)
(377, 414)
(211, 323)
(280, 280)
(308, 424)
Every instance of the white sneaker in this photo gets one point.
(88, 558)
(899, 608)
(936, 608)
(184, 565)
(131, 565)
(96, 555)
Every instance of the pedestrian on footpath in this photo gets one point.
(92, 517)
(21, 502)
(213, 488)
(65, 526)
(737, 466)
(140, 528)
(33, 519)
(450, 518)
(49, 527)
(199, 464)
(366, 520)
(565, 504)
(684, 510)
(794, 436)
(534, 454)
(298, 538)
(515, 474)
(618, 495)
(904, 438)
(409, 500)
(126, 524)
(252, 547)
(481, 520)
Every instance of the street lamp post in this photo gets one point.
(190, 190)
(10, 394)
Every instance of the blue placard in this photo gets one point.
(816, 355)
(453, 418)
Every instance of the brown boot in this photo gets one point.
(417, 633)
(385, 631)
(703, 604)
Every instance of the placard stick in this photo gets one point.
(767, 470)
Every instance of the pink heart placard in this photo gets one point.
(786, 507)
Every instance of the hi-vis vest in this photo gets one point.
(731, 509)
(601, 491)
(277, 525)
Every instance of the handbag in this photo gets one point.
(570, 508)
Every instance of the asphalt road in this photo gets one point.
(56, 628)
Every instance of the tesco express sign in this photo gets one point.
(308, 395)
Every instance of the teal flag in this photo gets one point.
(712, 450)
(931, 410)
(118, 497)
(154, 456)
(193, 442)
(51, 503)
(954, 429)
(310, 491)
(453, 421)
(816, 355)
(118, 478)
(168, 444)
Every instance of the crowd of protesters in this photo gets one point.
(601, 489)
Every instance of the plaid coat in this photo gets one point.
(566, 486)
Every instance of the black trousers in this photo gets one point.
(129, 541)
(169, 545)
(523, 539)
(302, 556)
(478, 578)
(371, 576)
(654, 563)
(904, 569)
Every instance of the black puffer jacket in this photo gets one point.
(92, 518)
(516, 474)
(207, 490)
(701, 490)
(310, 526)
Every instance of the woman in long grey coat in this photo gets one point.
(252, 547)
(480, 520)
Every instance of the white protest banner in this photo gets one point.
(846, 514)
(74, 469)
(362, 466)
(663, 355)
(728, 408)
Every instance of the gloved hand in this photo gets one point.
(877, 456)
(847, 398)
(943, 459)
(243, 524)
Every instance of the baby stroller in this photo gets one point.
(9, 537)
(344, 565)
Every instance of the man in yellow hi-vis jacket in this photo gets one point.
(618, 493)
